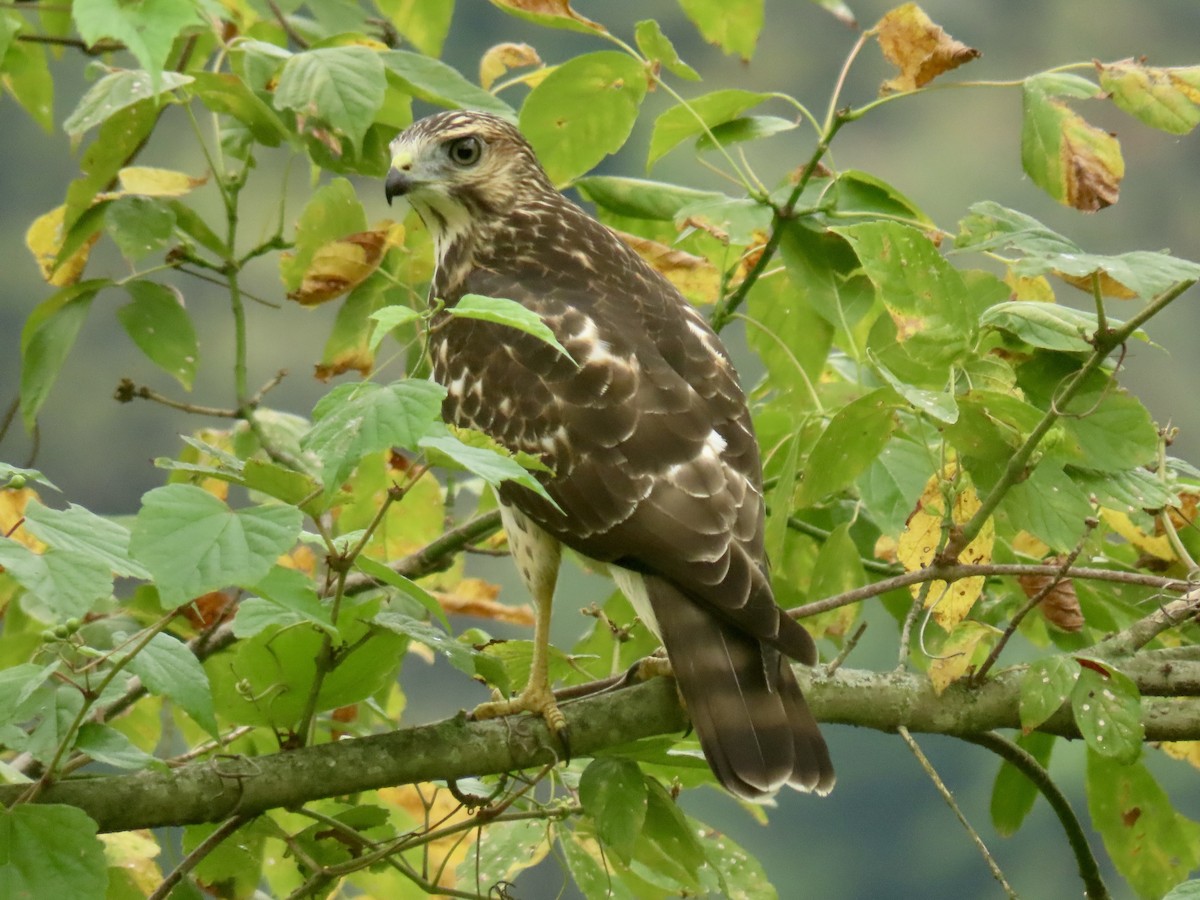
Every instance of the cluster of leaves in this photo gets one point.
(916, 417)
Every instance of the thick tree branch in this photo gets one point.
(219, 788)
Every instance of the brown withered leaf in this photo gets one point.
(354, 360)
(696, 278)
(340, 266)
(1060, 606)
(210, 609)
(916, 46)
(1092, 165)
(550, 10)
(502, 57)
(471, 598)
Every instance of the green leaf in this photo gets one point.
(1166, 99)
(824, 269)
(1013, 794)
(583, 111)
(838, 567)
(741, 130)
(669, 846)
(120, 134)
(1188, 890)
(1077, 164)
(423, 22)
(892, 484)
(354, 420)
(924, 295)
(90, 535)
(640, 198)
(941, 405)
(861, 192)
(1045, 325)
(341, 86)
(613, 792)
(292, 487)
(731, 870)
(593, 875)
(57, 708)
(1152, 845)
(193, 543)
(50, 332)
(161, 327)
(1050, 506)
(1114, 431)
(657, 46)
(1045, 687)
(377, 570)
(139, 226)
(48, 850)
(489, 463)
(147, 28)
(503, 850)
(695, 116)
(462, 656)
(992, 424)
(18, 477)
(18, 683)
(226, 93)
(781, 501)
(433, 81)
(27, 77)
(167, 667)
(1108, 711)
(111, 747)
(267, 679)
(509, 313)
(62, 584)
(388, 318)
(733, 25)
(855, 436)
(332, 212)
(285, 597)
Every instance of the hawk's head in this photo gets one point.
(462, 167)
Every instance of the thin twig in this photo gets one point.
(1025, 763)
(127, 391)
(938, 571)
(189, 862)
(953, 804)
(1054, 581)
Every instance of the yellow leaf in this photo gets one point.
(1091, 164)
(340, 266)
(694, 276)
(45, 241)
(1188, 751)
(1029, 545)
(1029, 287)
(961, 650)
(502, 57)
(134, 851)
(430, 803)
(1109, 286)
(920, 49)
(12, 511)
(1154, 545)
(147, 181)
(922, 537)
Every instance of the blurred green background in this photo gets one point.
(884, 833)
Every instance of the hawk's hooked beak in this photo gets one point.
(399, 181)
(397, 185)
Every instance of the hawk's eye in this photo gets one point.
(465, 151)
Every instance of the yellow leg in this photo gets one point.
(537, 697)
(537, 556)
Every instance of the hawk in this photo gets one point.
(653, 461)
